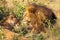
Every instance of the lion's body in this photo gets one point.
(9, 22)
(37, 15)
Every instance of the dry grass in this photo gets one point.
(51, 34)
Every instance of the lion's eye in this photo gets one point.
(32, 10)
(29, 21)
(12, 17)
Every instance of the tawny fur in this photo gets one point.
(37, 15)
(9, 22)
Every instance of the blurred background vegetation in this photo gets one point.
(17, 7)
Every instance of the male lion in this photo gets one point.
(38, 16)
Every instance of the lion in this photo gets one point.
(36, 16)
(9, 22)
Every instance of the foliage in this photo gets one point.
(20, 30)
(2, 35)
(39, 37)
(19, 9)
(3, 10)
